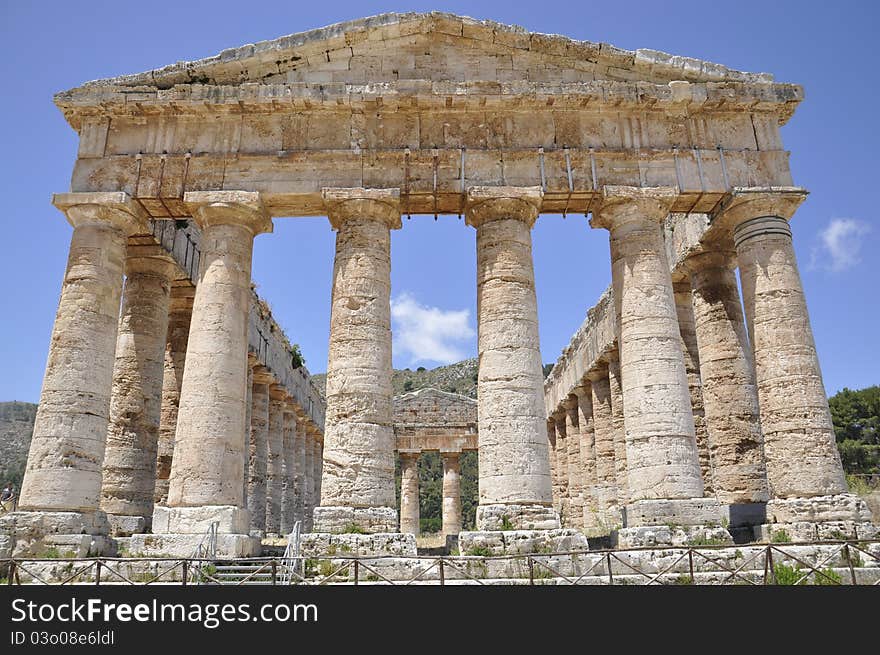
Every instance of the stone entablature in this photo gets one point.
(430, 419)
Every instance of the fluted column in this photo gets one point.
(584, 396)
(309, 480)
(248, 422)
(615, 386)
(179, 317)
(211, 432)
(664, 479)
(684, 308)
(451, 493)
(317, 466)
(514, 463)
(605, 490)
(728, 382)
(561, 457)
(358, 470)
(129, 471)
(575, 466)
(258, 448)
(274, 463)
(409, 493)
(288, 470)
(63, 473)
(804, 471)
(556, 489)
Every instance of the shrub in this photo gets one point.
(786, 575)
(780, 537)
(479, 551)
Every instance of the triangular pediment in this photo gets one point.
(435, 46)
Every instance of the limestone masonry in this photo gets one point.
(183, 423)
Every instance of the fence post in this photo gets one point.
(11, 577)
(185, 572)
(97, 573)
(442, 574)
(852, 572)
(769, 566)
(691, 564)
(274, 572)
(356, 572)
(531, 570)
(608, 564)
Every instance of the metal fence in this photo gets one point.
(836, 563)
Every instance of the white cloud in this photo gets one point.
(840, 245)
(429, 334)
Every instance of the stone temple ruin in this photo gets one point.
(672, 416)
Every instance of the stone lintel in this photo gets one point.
(621, 204)
(357, 202)
(489, 203)
(101, 207)
(244, 208)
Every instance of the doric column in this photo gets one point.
(615, 386)
(665, 484)
(584, 396)
(309, 480)
(575, 467)
(514, 463)
(561, 457)
(62, 479)
(258, 448)
(451, 493)
(299, 471)
(409, 492)
(129, 472)
(317, 466)
(248, 421)
(556, 490)
(288, 470)
(801, 455)
(728, 387)
(684, 308)
(274, 445)
(605, 490)
(179, 317)
(358, 472)
(211, 432)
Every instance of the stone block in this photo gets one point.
(685, 511)
(125, 526)
(370, 520)
(662, 535)
(324, 544)
(516, 517)
(229, 546)
(799, 531)
(198, 520)
(520, 542)
(33, 533)
(818, 509)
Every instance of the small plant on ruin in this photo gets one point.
(345, 548)
(325, 567)
(683, 580)
(541, 573)
(505, 523)
(50, 553)
(353, 528)
(780, 537)
(786, 575)
(837, 535)
(827, 578)
(703, 540)
(479, 551)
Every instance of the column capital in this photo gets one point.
(342, 204)
(745, 203)
(263, 375)
(150, 259)
(277, 392)
(244, 208)
(489, 203)
(622, 204)
(570, 402)
(558, 416)
(583, 389)
(708, 259)
(599, 373)
(115, 208)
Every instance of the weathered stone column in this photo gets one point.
(584, 396)
(129, 471)
(561, 457)
(318, 464)
(665, 484)
(451, 493)
(684, 308)
(258, 448)
(409, 492)
(804, 472)
(358, 469)
(308, 480)
(288, 470)
(248, 419)
(575, 516)
(556, 490)
(205, 485)
(514, 463)
(729, 392)
(179, 317)
(299, 472)
(62, 482)
(615, 386)
(605, 490)
(274, 441)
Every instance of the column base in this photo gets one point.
(673, 535)
(516, 542)
(198, 520)
(229, 546)
(673, 512)
(354, 520)
(800, 531)
(36, 533)
(125, 526)
(818, 509)
(375, 544)
(498, 517)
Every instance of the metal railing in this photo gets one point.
(837, 563)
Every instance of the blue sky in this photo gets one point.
(827, 47)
